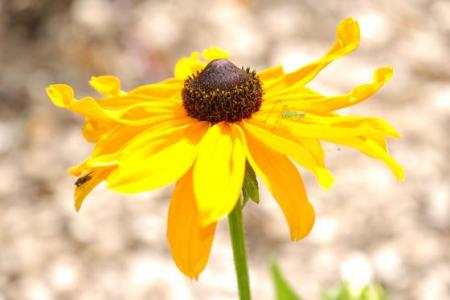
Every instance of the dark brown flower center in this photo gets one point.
(222, 92)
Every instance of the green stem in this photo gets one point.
(238, 242)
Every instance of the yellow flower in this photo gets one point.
(200, 127)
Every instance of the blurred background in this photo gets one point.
(369, 226)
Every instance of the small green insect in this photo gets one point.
(292, 114)
(285, 113)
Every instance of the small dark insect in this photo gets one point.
(82, 180)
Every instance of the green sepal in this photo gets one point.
(283, 290)
(250, 188)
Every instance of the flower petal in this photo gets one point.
(380, 77)
(373, 148)
(125, 140)
(219, 171)
(283, 143)
(347, 40)
(93, 178)
(61, 95)
(94, 130)
(187, 66)
(315, 103)
(106, 85)
(325, 127)
(213, 53)
(271, 73)
(163, 90)
(132, 110)
(162, 158)
(366, 134)
(189, 241)
(286, 185)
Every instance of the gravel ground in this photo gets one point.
(369, 226)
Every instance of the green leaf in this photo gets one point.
(282, 288)
(250, 186)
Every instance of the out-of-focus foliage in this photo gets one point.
(282, 288)
(344, 291)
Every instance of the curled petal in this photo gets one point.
(190, 242)
(87, 183)
(373, 147)
(315, 103)
(61, 95)
(106, 85)
(347, 40)
(133, 110)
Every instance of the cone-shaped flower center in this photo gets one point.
(222, 92)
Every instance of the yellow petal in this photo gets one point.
(314, 147)
(89, 107)
(156, 137)
(286, 185)
(368, 125)
(61, 95)
(117, 138)
(187, 66)
(142, 111)
(77, 170)
(329, 126)
(271, 73)
(94, 130)
(162, 90)
(347, 40)
(282, 143)
(316, 103)
(106, 85)
(372, 148)
(189, 241)
(128, 109)
(151, 137)
(86, 184)
(161, 162)
(219, 171)
(215, 53)
(125, 101)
